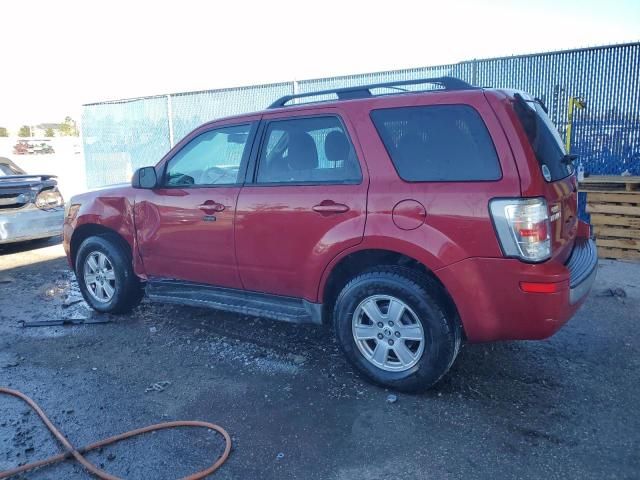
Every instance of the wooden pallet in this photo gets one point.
(614, 205)
(610, 183)
(618, 253)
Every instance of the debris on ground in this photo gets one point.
(391, 398)
(55, 290)
(297, 359)
(618, 292)
(10, 361)
(70, 301)
(153, 329)
(62, 322)
(158, 386)
(280, 456)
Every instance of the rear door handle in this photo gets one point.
(329, 206)
(211, 206)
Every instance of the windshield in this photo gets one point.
(544, 138)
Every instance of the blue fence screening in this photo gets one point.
(120, 136)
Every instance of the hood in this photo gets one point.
(116, 190)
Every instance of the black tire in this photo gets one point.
(441, 326)
(128, 288)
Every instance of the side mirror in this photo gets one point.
(145, 177)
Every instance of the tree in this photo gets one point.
(49, 132)
(25, 131)
(4, 132)
(69, 128)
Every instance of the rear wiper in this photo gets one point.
(541, 103)
(568, 158)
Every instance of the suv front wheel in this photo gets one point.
(105, 275)
(391, 323)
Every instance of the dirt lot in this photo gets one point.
(563, 408)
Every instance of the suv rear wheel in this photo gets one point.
(105, 275)
(392, 325)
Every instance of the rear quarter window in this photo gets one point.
(438, 143)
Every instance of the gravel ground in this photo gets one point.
(562, 408)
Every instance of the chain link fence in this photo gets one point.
(120, 136)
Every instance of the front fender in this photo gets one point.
(92, 214)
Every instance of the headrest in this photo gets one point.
(336, 146)
(302, 152)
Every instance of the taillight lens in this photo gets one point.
(523, 227)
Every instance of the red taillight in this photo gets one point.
(539, 287)
(538, 233)
(523, 229)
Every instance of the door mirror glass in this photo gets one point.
(145, 177)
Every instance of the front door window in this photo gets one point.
(212, 158)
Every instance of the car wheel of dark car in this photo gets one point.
(395, 328)
(105, 275)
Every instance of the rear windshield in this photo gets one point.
(438, 143)
(544, 138)
(6, 170)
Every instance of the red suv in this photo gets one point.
(411, 221)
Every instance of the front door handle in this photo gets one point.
(329, 206)
(211, 206)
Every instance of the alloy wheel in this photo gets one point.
(99, 277)
(388, 333)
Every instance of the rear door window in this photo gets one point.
(307, 151)
(543, 137)
(438, 143)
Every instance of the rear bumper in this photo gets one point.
(582, 266)
(493, 306)
(30, 223)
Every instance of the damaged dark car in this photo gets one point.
(31, 206)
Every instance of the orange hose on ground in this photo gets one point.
(72, 452)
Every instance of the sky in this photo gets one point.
(55, 56)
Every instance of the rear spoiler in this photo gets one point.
(22, 177)
(17, 183)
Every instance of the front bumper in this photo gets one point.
(493, 306)
(30, 223)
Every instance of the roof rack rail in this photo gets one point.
(364, 91)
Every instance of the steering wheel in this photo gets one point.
(213, 175)
(182, 179)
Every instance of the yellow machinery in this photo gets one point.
(574, 102)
